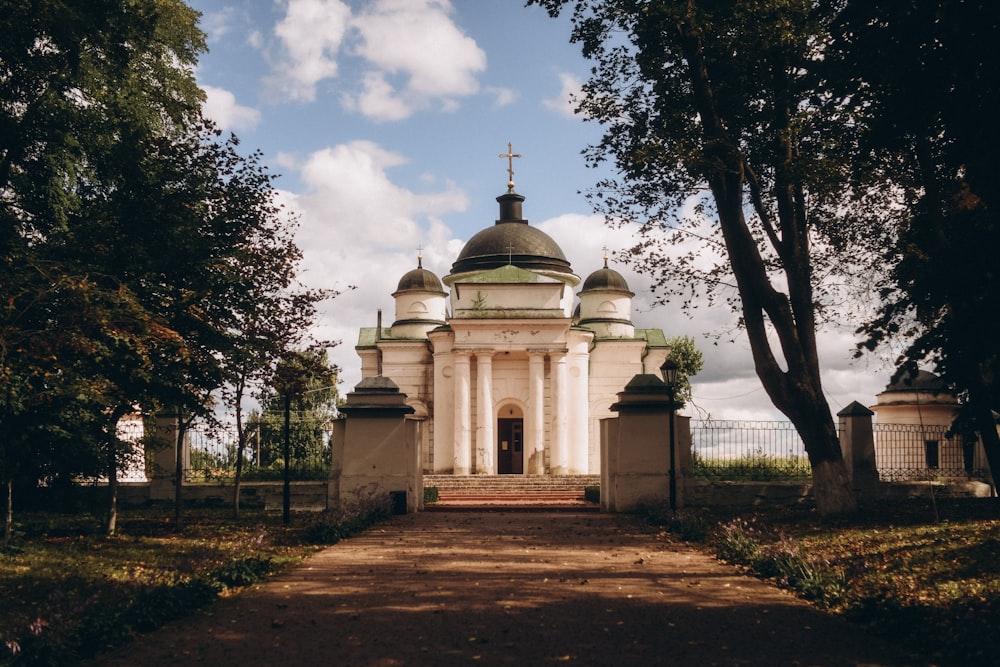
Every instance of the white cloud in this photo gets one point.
(221, 106)
(503, 96)
(377, 100)
(217, 24)
(564, 104)
(359, 228)
(419, 57)
(311, 33)
(411, 53)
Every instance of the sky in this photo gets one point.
(386, 120)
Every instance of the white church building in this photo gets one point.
(511, 366)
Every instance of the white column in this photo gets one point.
(535, 428)
(463, 415)
(559, 453)
(579, 414)
(485, 455)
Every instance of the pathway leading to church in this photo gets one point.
(508, 587)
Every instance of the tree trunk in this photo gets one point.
(788, 368)
(111, 436)
(832, 489)
(241, 441)
(112, 524)
(987, 427)
(179, 470)
(8, 521)
(238, 480)
(287, 490)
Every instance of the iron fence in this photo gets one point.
(213, 453)
(906, 452)
(747, 451)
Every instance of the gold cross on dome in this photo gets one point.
(510, 155)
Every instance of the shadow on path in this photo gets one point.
(508, 587)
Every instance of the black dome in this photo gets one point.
(511, 241)
(605, 280)
(920, 381)
(419, 280)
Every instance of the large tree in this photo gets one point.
(304, 378)
(927, 128)
(273, 310)
(711, 121)
(81, 82)
(146, 261)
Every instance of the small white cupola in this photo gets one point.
(421, 303)
(606, 304)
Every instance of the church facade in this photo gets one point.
(509, 363)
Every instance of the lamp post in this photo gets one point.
(669, 371)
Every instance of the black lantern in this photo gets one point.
(669, 370)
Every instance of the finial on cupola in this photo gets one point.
(510, 155)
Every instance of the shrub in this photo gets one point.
(738, 542)
(242, 572)
(743, 542)
(592, 493)
(367, 508)
(430, 494)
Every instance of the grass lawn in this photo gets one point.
(69, 592)
(923, 575)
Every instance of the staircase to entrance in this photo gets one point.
(511, 491)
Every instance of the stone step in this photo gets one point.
(539, 492)
(509, 485)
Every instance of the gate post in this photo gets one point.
(635, 451)
(377, 450)
(857, 445)
(163, 443)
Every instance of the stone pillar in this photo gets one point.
(609, 463)
(578, 458)
(485, 437)
(559, 452)
(535, 428)
(463, 415)
(857, 444)
(380, 451)
(164, 444)
(636, 450)
(443, 406)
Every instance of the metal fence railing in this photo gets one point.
(747, 451)
(905, 452)
(212, 452)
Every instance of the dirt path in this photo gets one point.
(495, 588)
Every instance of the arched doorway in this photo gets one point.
(510, 441)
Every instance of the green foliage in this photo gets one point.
(104, 312)
(733, 174)
(689, 525)
(924, 131)
(354, 516)
(74, 592)
(929, 587)
(757, 467)
(243, 572)
(592, 493)
(689, 362)
(430, 494)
